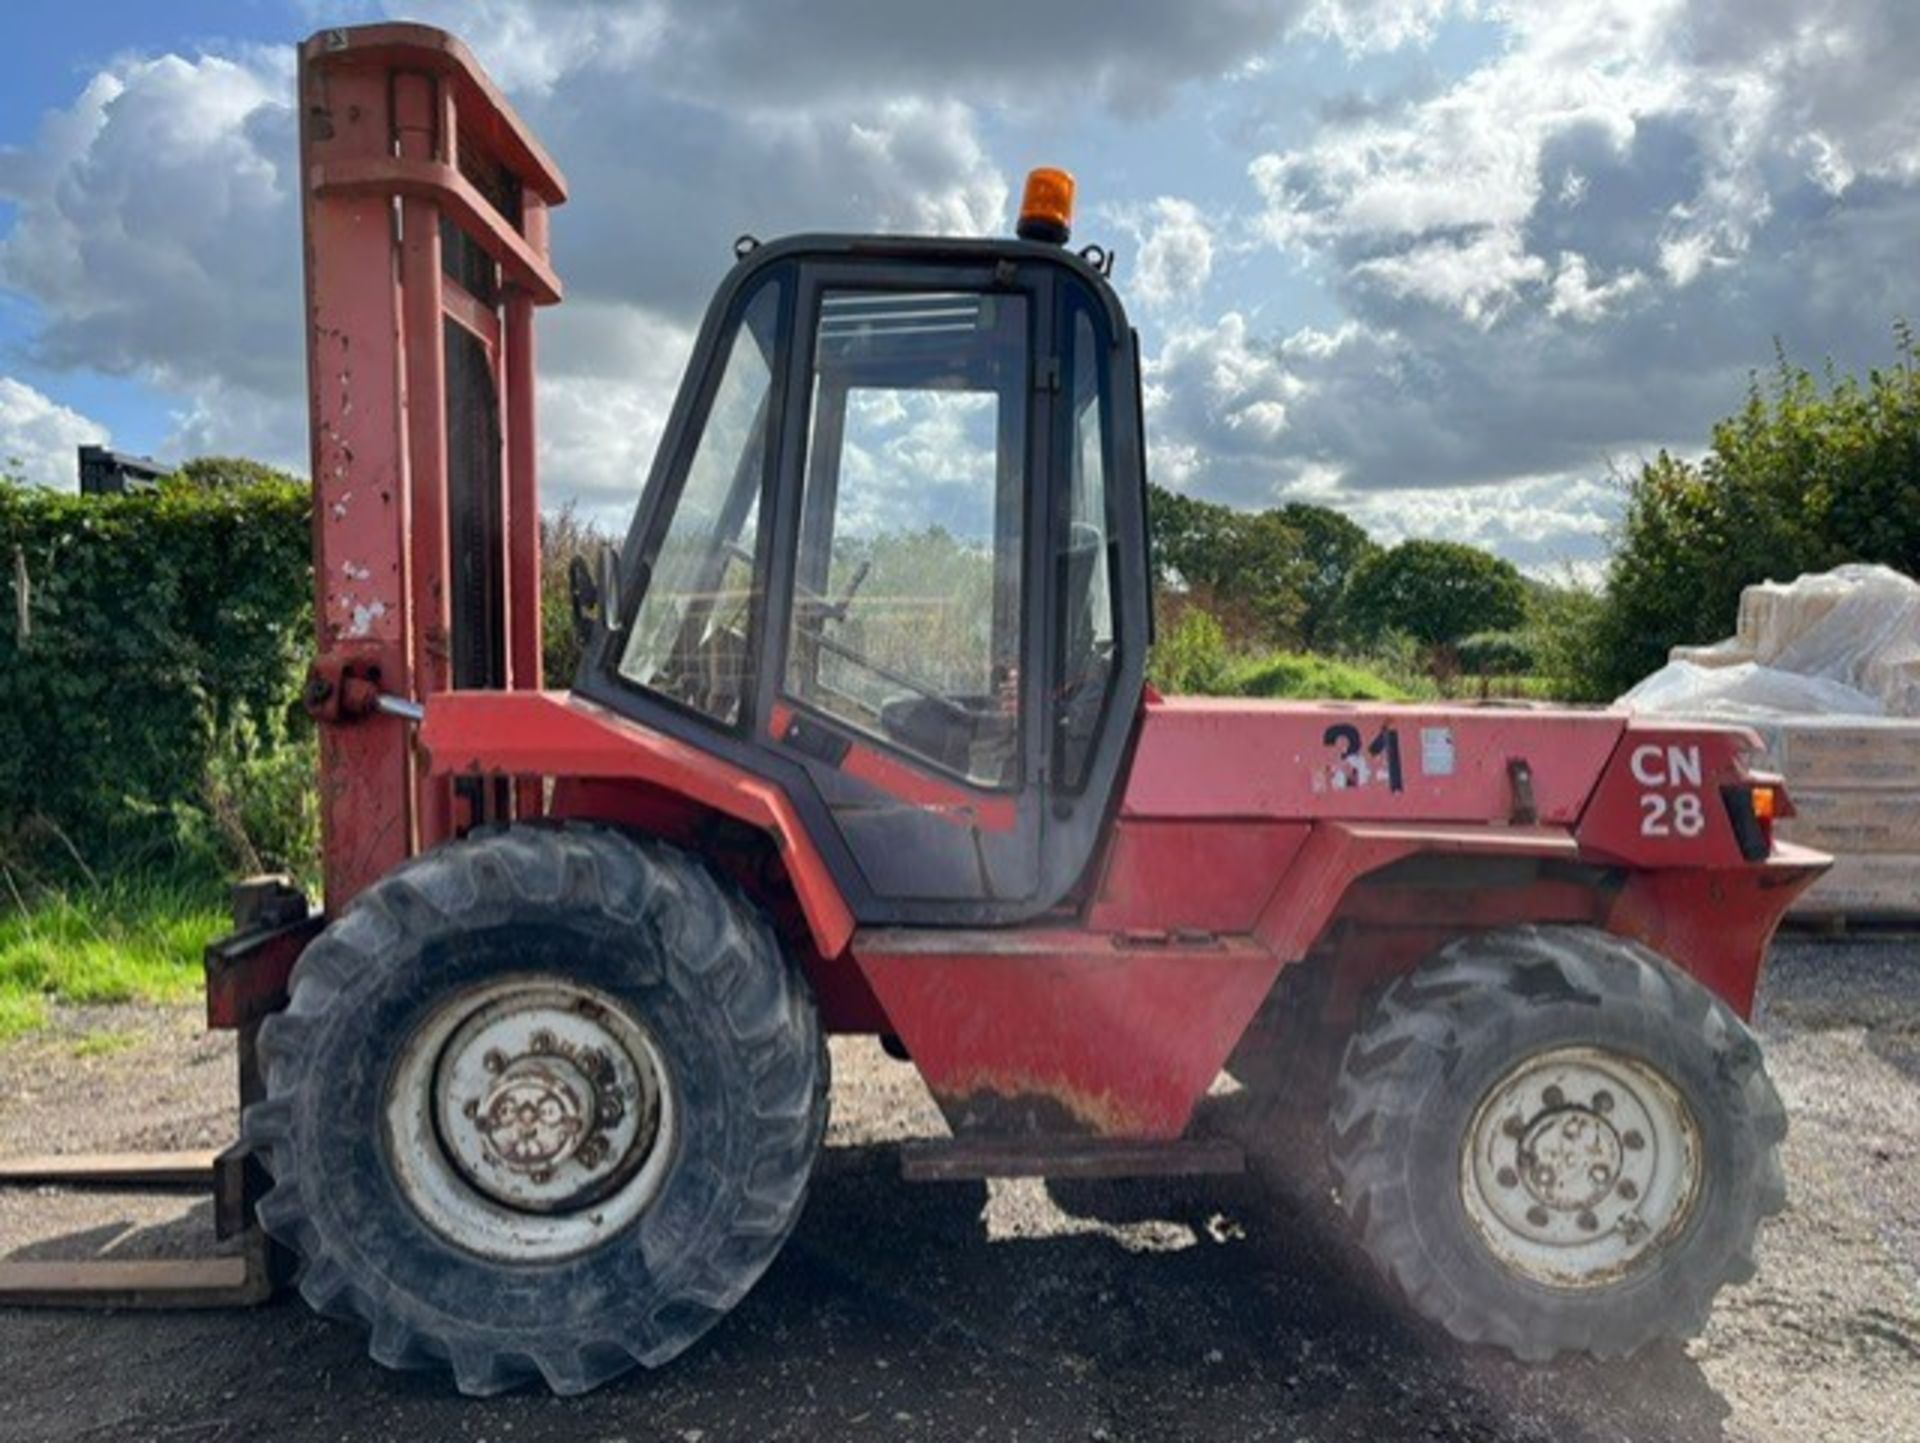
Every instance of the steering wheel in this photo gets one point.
(837, 610)
(828, 608)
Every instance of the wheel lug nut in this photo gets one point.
(1507, 1177)
(471, 1107)
(1603, 1101)
(1513, 1127)
(1632, 1141)
(1537, 1215)
(1588, 1222)
(542, 1041)
(1627, 1189)
(494, 1061)
(1554, 1097)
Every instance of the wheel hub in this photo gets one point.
(1580, 1164)
(535, 1116)
(528, 1116)
(1570, 1159)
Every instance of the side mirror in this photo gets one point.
(595, 600)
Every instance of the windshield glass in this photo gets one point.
(689, 638)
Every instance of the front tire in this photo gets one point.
(1553, 1140)
(543, 1103)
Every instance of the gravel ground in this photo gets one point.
(1205, 1309)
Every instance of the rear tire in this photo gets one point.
(1553, 1140)
(544, 1103)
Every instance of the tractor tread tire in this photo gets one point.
(1444, 1025)
(708, 944)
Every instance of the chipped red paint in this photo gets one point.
(384, 113)
(1064, 1031)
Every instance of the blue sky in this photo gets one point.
(1449, 265)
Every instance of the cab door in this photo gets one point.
(900, 678)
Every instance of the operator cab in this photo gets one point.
(892, 557)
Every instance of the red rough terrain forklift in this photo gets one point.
(862, 743)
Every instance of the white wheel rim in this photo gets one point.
(1580, 1166)
(529, 1118)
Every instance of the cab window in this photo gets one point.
(689, 639)
(1083, 561)
(906, 615)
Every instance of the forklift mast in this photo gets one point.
(426, 536)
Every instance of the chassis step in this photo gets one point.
(966, 1159)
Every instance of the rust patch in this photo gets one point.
(1012, 1104)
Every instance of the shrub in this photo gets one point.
(563, 536)
(1561, 630)
(1191, 656)
(1307, 677)
(1807, 476)
(151, 668)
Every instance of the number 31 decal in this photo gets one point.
(1353, 768)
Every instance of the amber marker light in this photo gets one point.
(1046, 209)
(1765, 803)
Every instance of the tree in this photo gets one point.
(1807, 476)
(1333, 547)
(1251, 567)
(1435, 591)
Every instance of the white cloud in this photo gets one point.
(1217, 405)
(39, 436)
(1576, 296)
(1176, 252)
(1479, 277)
(156, 225)
(1546, 524)
(158, 233)
(602, 412)
(1567, 256)
(1365, 26)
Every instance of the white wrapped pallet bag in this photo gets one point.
(1826, 668)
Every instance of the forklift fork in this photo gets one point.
(247, 974)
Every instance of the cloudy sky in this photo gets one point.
(1449, 265)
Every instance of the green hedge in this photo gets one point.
(148, 706)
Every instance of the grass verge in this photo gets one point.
(138, 940)
(1307, 675)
